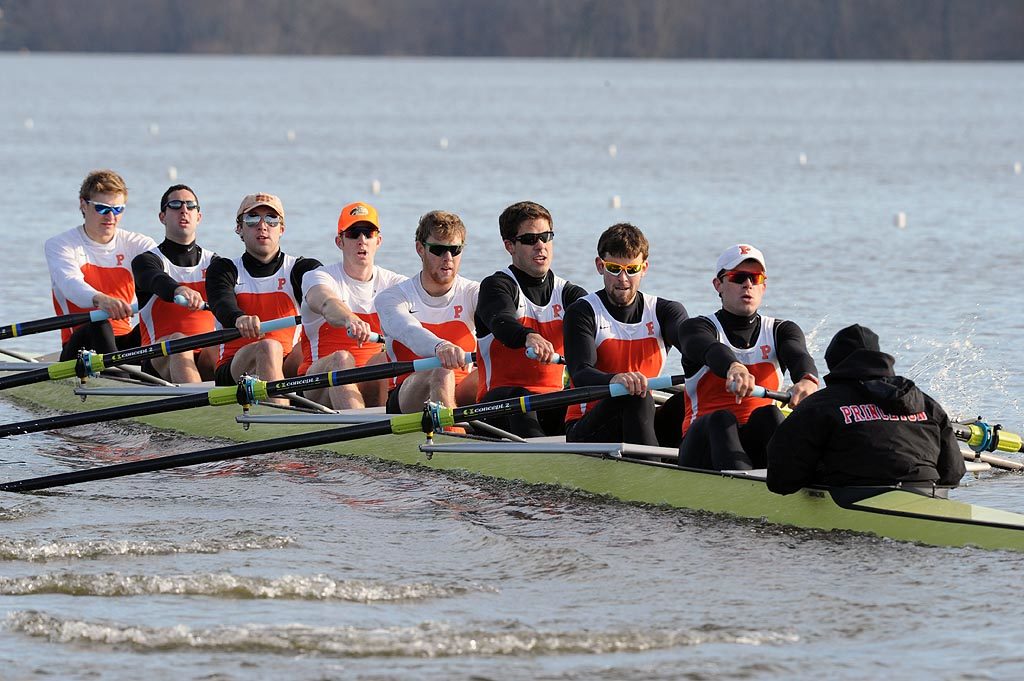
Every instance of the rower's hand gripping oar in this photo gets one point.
(54, 323)
(92, 363)
(555, 357)
(248, 391)
(427, 421)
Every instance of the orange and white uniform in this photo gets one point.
(320, 339)
(80, 268)
(414, 322)
(500, 365)
(159, 319)
(706, 391)
(623, 347)
(268, 298)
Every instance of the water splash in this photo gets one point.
(42, 551)
(225, 585)
(957, 372)
(427, 640)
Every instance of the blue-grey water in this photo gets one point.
(306, 567)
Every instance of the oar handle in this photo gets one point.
(434, 363)
(555, 357)
(657, 383)
(374, 336)
(277, 324)
(183, 301)
(771, 394)
(100, 315)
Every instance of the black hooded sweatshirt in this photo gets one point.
(868, 427)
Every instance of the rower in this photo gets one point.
(262, 284)
(619, 335)
(725, 356)
(90, 267)
(868, 426)
(338, 312)
(521, 308)
(177, 267)
(431, 315)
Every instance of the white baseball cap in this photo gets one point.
(734, 255)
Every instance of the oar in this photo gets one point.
(982, 437)
(54, 323)
(555, 357)
(90, 364)
(431, 419)
(247, 392)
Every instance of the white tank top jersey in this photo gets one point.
(80, 268)
(359, 295)
(171, 318)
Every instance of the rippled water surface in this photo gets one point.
(311, 567)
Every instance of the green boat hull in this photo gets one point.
(893, 513)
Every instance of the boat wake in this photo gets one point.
(226, 585)
(42, 551)
(426, 640)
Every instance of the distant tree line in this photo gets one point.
(784, 29)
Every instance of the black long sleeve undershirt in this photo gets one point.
(222, 276)
(498, 301)
(149, 274)
(580, 331)
(700, 345)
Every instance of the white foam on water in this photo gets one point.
(428, 639)
(42, 551)
(317, 587)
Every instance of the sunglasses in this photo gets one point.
(106, 208)
(362, 230)
(440, 249)
(253, 219)
(742, 277)
(532, 239)
(615, 269)
(176, 204)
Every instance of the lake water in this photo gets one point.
(313, 568)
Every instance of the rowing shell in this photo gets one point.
(615, 471)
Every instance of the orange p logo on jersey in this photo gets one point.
(650, 328)
(557, 311)
(765, 351)
(458, 311)
(281, 281)
(120, 259)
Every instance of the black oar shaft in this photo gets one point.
(108, 414)
(404, 423)
(43, 325)
(336, 378)
(20, 378)
(207, 456)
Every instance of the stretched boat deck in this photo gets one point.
(894, 513)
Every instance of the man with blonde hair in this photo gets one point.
(431, 315)
(90, 267)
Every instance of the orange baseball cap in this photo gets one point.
(357, 212)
